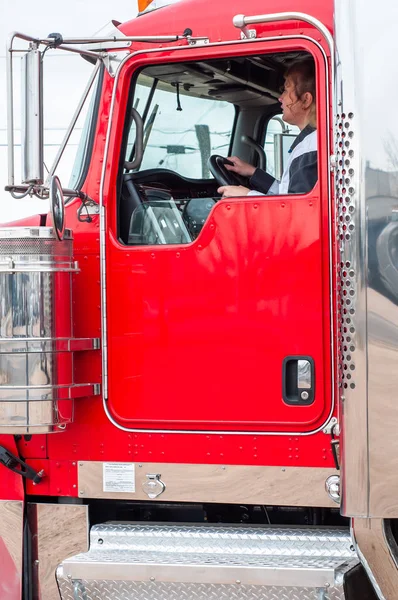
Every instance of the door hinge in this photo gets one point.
(331, 425)
(333, 429)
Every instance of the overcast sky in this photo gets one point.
(66, 73)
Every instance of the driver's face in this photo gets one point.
(292, 109)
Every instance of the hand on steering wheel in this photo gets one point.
(221, 174)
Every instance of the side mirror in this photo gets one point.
(32, 117)
(282, 144)
(57, 207)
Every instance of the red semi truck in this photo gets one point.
(197, 393)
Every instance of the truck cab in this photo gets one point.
(186, 377)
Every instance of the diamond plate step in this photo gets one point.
(129, 557)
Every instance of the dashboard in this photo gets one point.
(159, 206)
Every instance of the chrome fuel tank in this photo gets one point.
(36, 339)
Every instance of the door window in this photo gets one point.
(181, 130)
(191, 112)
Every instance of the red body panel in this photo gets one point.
(218, 26)
(11, 484)
(198, 334)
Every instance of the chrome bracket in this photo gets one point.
(153, 486)
(88, 208)
(198, 41)
(113, 60)
(248, 34)
(92, 208)
(330, 426)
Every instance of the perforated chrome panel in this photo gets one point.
(346, 216)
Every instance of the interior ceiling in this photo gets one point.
(244, 81)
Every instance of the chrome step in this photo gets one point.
(129, 561)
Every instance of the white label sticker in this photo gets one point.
(118, 477)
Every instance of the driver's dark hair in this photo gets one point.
(302, 73)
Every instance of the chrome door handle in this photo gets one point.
(298, 380)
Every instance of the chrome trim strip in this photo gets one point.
(103, 241)
(11, 266)
(74, 390)
(104, 328)
(301, 577)
(12, 233)
(214, 483)
(42, 345)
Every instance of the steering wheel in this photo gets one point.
(216, 164)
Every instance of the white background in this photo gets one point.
(66, 74)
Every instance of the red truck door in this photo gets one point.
(229, 330)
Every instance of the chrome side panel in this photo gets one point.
(58, 531)
(351, 284)
(367, 199)
(378, 552)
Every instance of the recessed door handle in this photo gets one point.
(298, 374)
